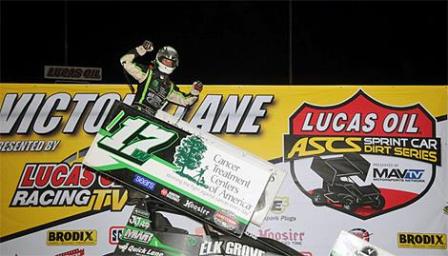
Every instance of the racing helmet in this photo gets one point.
(167, 59)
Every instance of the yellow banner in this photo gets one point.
(46, 128)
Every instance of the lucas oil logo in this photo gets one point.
(387, 153)
(58, 185)
(62, 184)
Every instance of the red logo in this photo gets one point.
(115, 234)
(75, 252)
(362, 157)
(164, 192)
(226, 219)
(362, 115)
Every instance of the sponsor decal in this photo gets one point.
(289, 237)
(71, 237)
(141, 212)
(169, 194)
(280, 204)
(398, 175)
(144, 182)
(133, 249)
(115, 234)
(361, 233)
(188, 156)
(139, 222)
(201, 210)
(284, 218)
(75, 252)
(137, 235)
(422, 240)
(278, 208)
(389, 153)
(226, 220)
(226, 183)
(228, 248)
(63, 184)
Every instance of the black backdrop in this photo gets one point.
(238, 42)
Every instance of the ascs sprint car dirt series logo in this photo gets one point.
(362, 157)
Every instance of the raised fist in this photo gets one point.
(148, 46)
(197, 85)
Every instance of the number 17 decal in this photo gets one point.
(137, 138)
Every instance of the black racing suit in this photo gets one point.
(154, 87)
(154, 90)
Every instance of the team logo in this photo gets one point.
(362, 157)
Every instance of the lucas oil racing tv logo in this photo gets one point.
(62, 184)
(58, 185)
(362, 157)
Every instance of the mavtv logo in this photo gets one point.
(395, 173)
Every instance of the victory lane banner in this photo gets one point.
(188, 171)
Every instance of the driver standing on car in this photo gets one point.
(155, 87)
